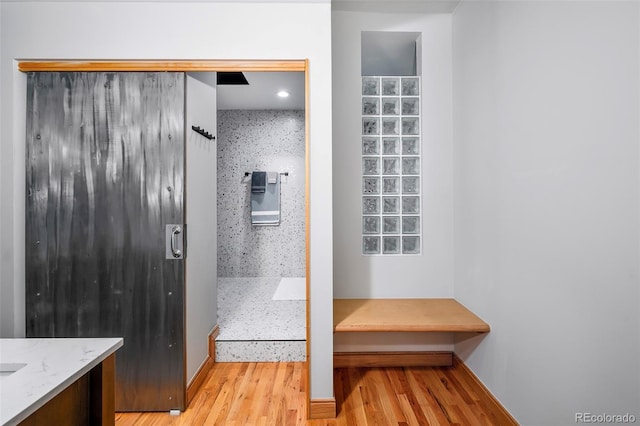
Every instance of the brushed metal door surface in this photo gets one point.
(105, 173)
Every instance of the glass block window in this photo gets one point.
(391, 166)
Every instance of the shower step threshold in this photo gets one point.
(261, 350)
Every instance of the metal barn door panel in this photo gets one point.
(105, 174)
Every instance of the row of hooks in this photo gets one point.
(204, 133)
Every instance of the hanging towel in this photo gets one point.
(258, 181)
(265, 206)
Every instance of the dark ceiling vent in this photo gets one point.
(231, 78)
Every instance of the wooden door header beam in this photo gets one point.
(180, 66)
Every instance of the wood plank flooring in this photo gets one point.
(245, 394)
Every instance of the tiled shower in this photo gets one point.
(260, 314)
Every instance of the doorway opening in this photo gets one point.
(299, 66)
(261, 260)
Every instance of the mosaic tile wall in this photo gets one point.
(260, 140)
(391, 165)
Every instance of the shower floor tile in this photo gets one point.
(247, 312)
(262, 351)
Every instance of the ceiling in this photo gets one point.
(396, 6)
(261, 91)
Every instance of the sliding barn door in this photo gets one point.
(105, 176)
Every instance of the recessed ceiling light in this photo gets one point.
(283, 94)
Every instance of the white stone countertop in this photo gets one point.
(48, 367)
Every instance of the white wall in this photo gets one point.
(6, 313)
(431, 273)
(169, 30)
(201, 218)
(546, 134)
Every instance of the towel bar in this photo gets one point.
(282, 173)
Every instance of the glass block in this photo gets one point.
(410, 126)
(391, 166)
(410, 146)
(370, 205)
(410, 185)
(390, 146)
(390, 87)
(370, 106)
(410, 86)
(390, 225)
(390, 204)
(410, 225)
(390, 126)
(370, 126)
(371, 245)
(391, 245)
(410, 165)
(370, 146)
(371, 224)
(371, 185)
(410, 106)
(370, 86)
(370, 166)
(390, 106)
(411, 245)
(410, 205)
(391, 185)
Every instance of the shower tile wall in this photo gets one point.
(270, 140)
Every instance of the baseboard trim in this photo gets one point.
(392, 359)
(502, 416)
(207, 365)
(212, 342)
(322, 408)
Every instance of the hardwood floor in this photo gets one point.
(244, 394)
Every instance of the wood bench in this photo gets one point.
(401, 315)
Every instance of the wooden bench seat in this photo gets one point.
(401, 315)
(414, 315)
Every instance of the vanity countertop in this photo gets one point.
(44, 368)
